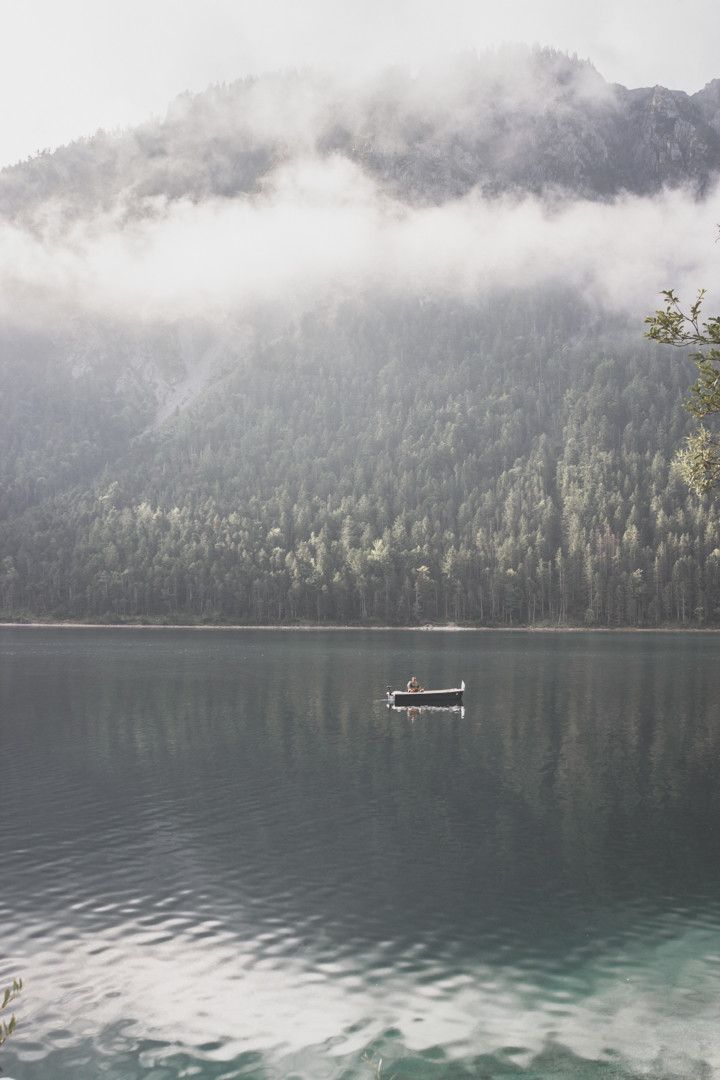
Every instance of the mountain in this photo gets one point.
(484, 441)
(528, 121)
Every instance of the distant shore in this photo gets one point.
(444, 628)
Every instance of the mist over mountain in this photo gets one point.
(513, 120)
(314, 349)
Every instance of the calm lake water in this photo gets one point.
(223, 857)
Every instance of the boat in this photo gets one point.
(438, 699)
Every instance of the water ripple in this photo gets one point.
(214, 874)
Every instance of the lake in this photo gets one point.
(222, 856)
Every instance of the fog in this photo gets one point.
(320, 229)
(303, 189)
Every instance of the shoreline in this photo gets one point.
(335, 628)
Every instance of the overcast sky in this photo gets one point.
(68, 67)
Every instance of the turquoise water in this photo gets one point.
(223, 857)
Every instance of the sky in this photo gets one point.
(69, 68)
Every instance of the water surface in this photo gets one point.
(223, 857)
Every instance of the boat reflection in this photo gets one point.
(414, 711)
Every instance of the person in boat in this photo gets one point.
(414, 686)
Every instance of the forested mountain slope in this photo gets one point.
(401, 463)
(383, 449)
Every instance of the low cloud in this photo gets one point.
(323, 228)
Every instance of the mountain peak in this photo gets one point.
(513, 119)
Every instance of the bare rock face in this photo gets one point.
(574, 134)
(707, 101)
(668, 140)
